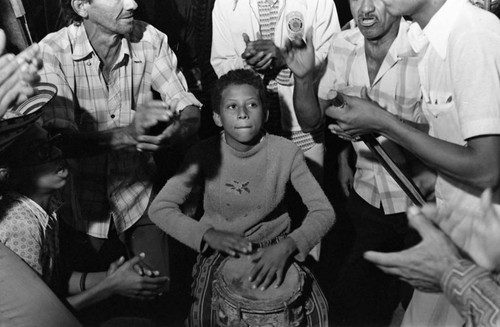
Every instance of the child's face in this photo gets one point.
(241, 115)
(50, 176)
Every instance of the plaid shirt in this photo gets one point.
(395, 88)
(116, 185)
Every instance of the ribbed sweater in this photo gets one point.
(244, 193)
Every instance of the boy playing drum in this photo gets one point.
(245, 172)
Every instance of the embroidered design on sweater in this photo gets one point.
(238, 187)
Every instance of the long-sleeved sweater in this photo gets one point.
(244, 193)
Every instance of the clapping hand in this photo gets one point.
(262, 54)
(299, 56)
(423, 265)
(473, 227)
(17, 74)
(155, 122)
(124, 279)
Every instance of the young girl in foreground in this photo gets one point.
(245, 172)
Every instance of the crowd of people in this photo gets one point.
(96, 192)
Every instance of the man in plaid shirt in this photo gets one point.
(375, 57)
(104, 65)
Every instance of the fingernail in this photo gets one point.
(413, 211)
(254, 286)
(142, 254)
(24, 68)
(262, 288)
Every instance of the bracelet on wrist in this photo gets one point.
(83, 279)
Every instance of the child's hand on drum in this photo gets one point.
(271, 264)
(227, 242)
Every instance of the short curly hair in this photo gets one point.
(70, 16)
(238, 77)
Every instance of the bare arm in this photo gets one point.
(476, 164)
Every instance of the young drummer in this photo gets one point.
(245, 172)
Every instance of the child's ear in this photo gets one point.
(217, 119)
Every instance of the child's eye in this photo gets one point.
(231, 107)
(253, 105)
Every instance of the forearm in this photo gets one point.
(306, 105)
(90, 280)
(96, 289)
(475, 164)
(474, 292)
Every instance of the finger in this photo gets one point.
(30, 53)
(486, 199)
(345, 189)
(3, 41)
(279, 277)
(147, 147)
(138, 269)
(259, 279)
(364, 93)
(309, 38)
(246, 39)
(255, 58)
(270, 276)
(136, 259)
(254, 272)
(432, 213)
(396, 259)
(265, 62)
(418, 221)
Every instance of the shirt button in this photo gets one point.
(89, 63)
(113, 116)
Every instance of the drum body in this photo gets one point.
(237, 304)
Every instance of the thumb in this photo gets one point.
(486, 199)
(364, 93)
(246, 38)
(418, 221)
(309, 38)
(3, 41)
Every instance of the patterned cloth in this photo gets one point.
(31, 232)
(203, 315)
(117, 185)
(473, 291)
(395, 88)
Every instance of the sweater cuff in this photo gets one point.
(303, 246)
(199, 245)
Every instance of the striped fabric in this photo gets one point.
(268, 17)
(473, 291)
(395, 88)
(116, 185)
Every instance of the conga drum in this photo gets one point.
(237, 304)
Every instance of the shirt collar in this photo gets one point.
(400, 48)
(83, 48)
(439, 27)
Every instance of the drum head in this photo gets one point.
(235, 273)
